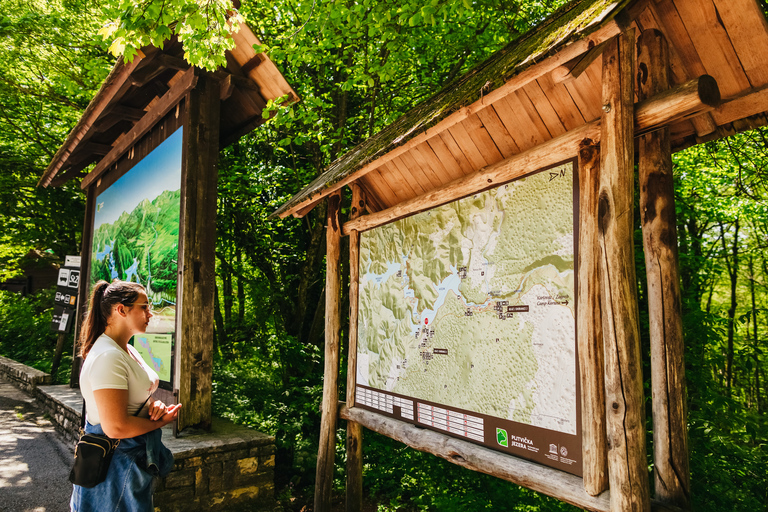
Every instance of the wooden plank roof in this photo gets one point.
(132, 90)
(548, 83)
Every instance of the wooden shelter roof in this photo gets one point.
(548, 83)
(137, 94)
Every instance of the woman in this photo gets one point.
(116, 384)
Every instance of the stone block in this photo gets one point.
(268, 462)
(224, 456)
(183, 478)
(192, 462)
(215, 477)
(248, 466)
(201, 481)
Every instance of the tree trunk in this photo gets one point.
(57, 355)
(732, 265)
(220, 338)
(755, 339)
(240, 287)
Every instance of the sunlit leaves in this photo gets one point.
(204, 27)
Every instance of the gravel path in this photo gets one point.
(34, 461)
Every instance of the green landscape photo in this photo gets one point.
(136, 230)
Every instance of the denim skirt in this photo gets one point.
(128, 487)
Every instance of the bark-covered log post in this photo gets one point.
(657, 214)
(590, 332)
(625, 417)
(354, 429)
(327, 446)
(197, 278)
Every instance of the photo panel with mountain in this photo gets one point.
(136, 238)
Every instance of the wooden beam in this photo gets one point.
(687, 99)
(103, 98)
(251, 64)
(354, 430)
(327, 445)
(627, 472)
(169, 61)
(550, 152)
(116, 114)
(657, 214)
(122, 144)
(590, 332)
(523, 78)
(227, 88)
(752, 102)
(552, 482)
(573, 69)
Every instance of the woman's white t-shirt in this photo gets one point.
(108, 366)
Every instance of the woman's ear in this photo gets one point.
(120, 309)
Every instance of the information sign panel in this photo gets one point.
(136, 238)
(136, 230)
(157, 351)
(467, 319)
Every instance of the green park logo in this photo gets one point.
(501, 437)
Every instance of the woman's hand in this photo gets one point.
(157, 410)
(170, 414)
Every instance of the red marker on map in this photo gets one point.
(426, 321)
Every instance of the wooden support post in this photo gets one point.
(657, 213)
(327, 448)
(627, 472)
(354, 429)
(84, 285)
(590, 332)
(194, 319)
(62, 337)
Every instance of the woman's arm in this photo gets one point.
(118, 424)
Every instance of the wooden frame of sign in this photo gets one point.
(192, 105)
(614, 454)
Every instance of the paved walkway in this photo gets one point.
(34, 461)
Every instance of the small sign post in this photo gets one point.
(65, 304)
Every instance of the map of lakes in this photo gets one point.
(471, 304)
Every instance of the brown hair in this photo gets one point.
(103, 297)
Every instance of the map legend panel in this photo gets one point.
(451, 421)
(384, 402)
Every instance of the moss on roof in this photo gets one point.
(571, 22)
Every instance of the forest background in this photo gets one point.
(358, 65)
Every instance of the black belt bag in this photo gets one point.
(93, 454)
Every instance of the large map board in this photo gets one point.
(467, 319)
(136, 238)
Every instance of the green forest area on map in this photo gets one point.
(471, 304)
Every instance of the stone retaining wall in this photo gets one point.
(64, 405)
(22, 376)
(230, 468)
(237, 474)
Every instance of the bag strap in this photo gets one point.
(142, 405)
(82, 419)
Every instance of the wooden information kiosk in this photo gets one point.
(154, 117)
(592, 83)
